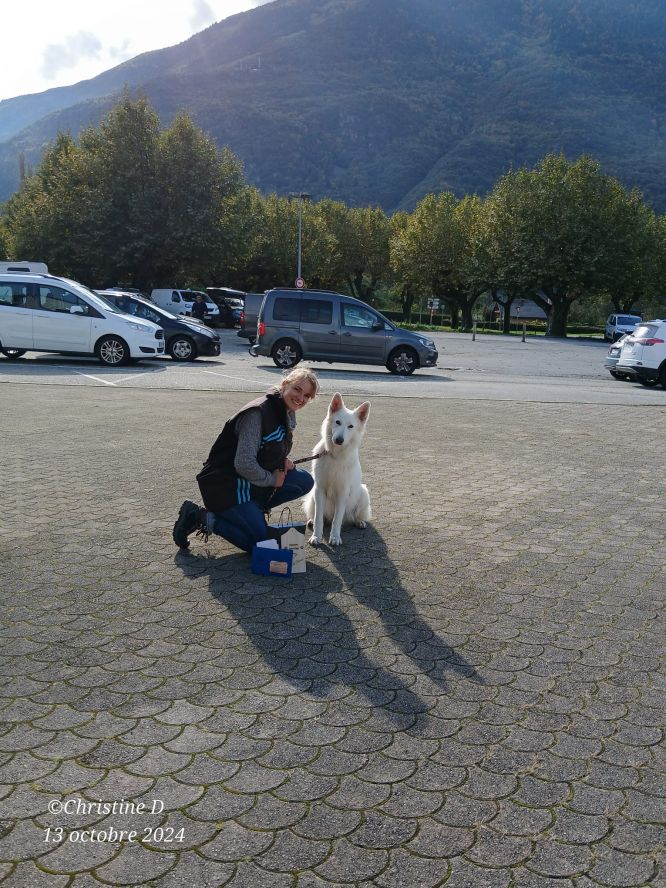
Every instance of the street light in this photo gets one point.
(301, 195)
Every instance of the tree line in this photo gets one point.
(136, 205)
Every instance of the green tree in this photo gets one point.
(433, 251)
(131, 203)
(198, 206)
(561, 234)
(42, 216)
(408, 288)
(361, 252)
(495, 250)
(632, 268)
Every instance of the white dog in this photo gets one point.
(338, 495)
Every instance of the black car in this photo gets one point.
(185, 338)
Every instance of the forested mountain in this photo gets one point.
(382, 101)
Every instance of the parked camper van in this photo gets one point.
(19, 265)
(179, 302)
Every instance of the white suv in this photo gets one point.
(40, 312)
(643, 355)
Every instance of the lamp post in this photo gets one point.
(301, 195)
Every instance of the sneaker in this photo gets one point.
(190, 518)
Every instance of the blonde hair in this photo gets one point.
(300, 374)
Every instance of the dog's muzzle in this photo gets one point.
(339, 440)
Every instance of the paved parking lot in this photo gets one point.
(488, 367)
(467, 694)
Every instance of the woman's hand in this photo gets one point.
(288, 465)
(279, 478)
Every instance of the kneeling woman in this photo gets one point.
(248, 471)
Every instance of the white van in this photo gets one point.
(40, 312)
(179, 302)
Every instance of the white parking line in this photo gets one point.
(95, 378)
(228, 376)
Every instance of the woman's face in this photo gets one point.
(297, 394)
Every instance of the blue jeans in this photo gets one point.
(244, 525)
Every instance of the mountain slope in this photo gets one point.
(380, 101)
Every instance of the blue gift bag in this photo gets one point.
(272, 562)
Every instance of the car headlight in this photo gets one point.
(141, 328)
(428, 343)
(202, 331)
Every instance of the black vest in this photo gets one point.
(220, 485)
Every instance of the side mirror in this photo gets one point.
(75, 310)
(378, 325)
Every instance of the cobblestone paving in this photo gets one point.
(465, 694)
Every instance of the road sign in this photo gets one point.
(300, 283)
(433, 303)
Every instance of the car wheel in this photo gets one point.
(648, 381)
(662, 377)
(286, 353)
(13, 353)
(112, 351)
(403, 361)
(181, 348)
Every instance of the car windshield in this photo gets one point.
(628, 321)
(150, 306)
(97, 300)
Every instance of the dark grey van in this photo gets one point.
(323, 326)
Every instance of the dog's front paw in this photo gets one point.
(314, 540)
(362, 524)
(335, 539)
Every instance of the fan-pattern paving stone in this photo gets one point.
(489, 714)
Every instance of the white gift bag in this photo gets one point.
(291, 535)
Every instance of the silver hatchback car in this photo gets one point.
(320, 325)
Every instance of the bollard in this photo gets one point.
(474, 332)
(524, 328)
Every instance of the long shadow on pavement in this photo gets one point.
(303, 634)
(365, 567)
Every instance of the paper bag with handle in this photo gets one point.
(290, 534)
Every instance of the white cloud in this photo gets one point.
(202, 15)
(58, 57)
(73, 40)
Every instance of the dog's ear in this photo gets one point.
(363, 410)
(336, 403)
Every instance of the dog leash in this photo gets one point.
(295, 462)
(308, 458)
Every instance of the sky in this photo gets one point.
(59, 42)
